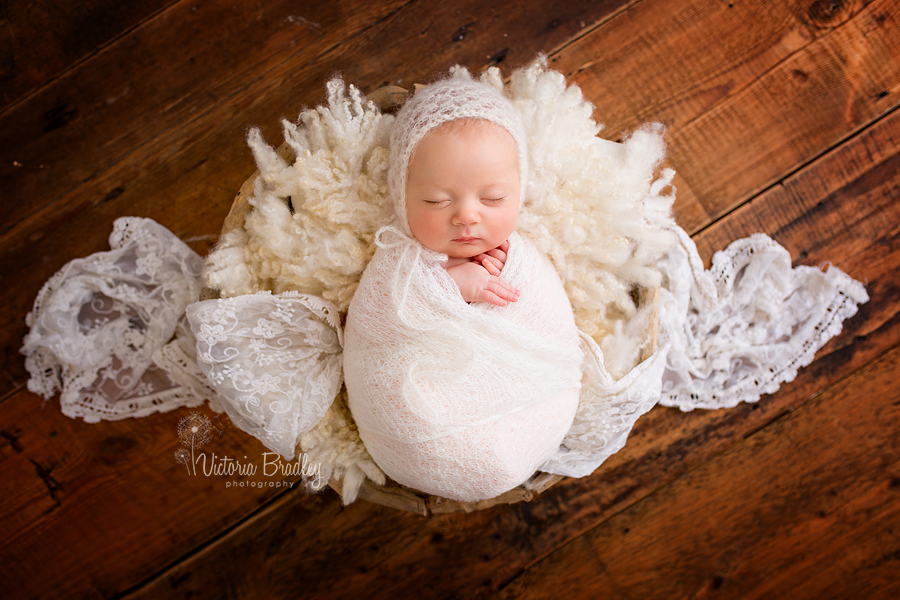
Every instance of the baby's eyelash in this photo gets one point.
(501, 199)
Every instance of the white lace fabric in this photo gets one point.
(102, 328)
(275, 362)
(745, 326)
(109, 332)
(607, 411)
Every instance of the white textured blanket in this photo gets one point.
(460, 400)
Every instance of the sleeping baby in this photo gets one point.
(461, 354)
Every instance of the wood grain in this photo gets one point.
(492, 547)
(41, 40)
(814, 99)
(115, 492)
(806, 508)
(750, 91)
(172, 148)
(690, 60)
(166, 75)
(805, 91)
(848, 187)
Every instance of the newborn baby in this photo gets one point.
(461, 354)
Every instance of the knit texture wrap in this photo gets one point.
(460, 400)
(451, 99)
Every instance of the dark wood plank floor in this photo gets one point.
(782, 118)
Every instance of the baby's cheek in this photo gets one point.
(425, 228)
(508, 223)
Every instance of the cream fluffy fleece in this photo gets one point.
(337, 189)
(594, 207)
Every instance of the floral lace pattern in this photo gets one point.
(99, 325)
(748, 324)
(274, 361)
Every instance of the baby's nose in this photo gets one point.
(467, 213)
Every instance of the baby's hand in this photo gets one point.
(493, 260)
(477, 285)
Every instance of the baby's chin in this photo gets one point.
(467, 254)
(468, 250)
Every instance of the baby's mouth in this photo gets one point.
(465, 240)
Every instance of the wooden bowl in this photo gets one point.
(392, 494)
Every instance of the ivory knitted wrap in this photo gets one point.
(459, 400)
(462, 401)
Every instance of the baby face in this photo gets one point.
(462, 188)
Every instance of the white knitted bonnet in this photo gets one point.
(457, 97)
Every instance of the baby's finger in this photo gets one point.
(497, 254)
(491, 298)
(491, 264)
(503, 290)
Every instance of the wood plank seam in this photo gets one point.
(325, 52)
(9, 227)
(539, 559)
(788, 175)
(787, 57)
(253, 515)
(590, 30)
(87, 57)
(848, 106)
(15, 390)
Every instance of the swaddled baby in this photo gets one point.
(461, 354)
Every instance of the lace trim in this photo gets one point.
(748, 324)
(607, 411)
(109, 332)
(98, 322)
